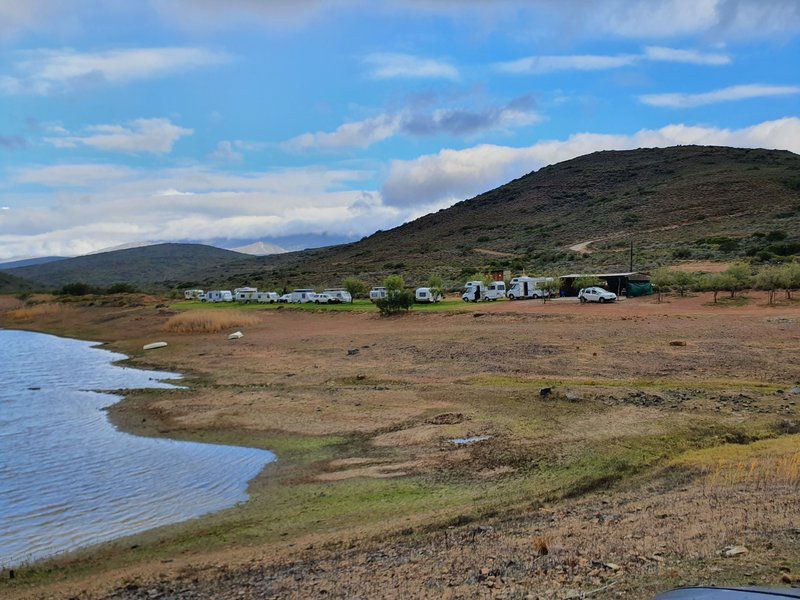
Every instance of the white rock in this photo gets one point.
(235, 335)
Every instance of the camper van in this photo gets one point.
(377, 293)
(426, 295)
(338, 295)
(496, 290)
(473, 291)
(301, 296)
(245, 294)
(218, 296)
(192, 294)
(265, 297)
(527, 287)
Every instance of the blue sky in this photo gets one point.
(307, 122)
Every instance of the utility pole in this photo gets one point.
(631, 265)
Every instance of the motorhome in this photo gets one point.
(218, 296)
(245, 294)
(377, 293)
(473, 291)
(338, 295)
(496, 290)
(301, 296)
(527, 287)
(427, 295)
(192, 294)
(265, 297)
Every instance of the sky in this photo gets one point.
(305, 123)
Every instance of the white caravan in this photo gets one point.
(218, 296)
(245, 294)
(495, 291)
(527, 287)
(301, 296)
(473, 291)
(377, 293)
(338, 295)
(265, 297)
(192, 294)
(427, 295)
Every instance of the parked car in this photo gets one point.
(596, 294)
(284, 299)
(324, 298)
(338, 295)
(427, 295)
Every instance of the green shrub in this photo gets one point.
(395, 302)
(122, 288)
(76, 289)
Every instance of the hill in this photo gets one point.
(160, 265)
(677, 203)
(27, 262)
(12, 285)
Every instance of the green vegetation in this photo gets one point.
(397, 298)
(356, 287)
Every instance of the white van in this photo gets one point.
(301, 296)
(218, 296)
(473, 291)
(192, 294)
(338, 295)
(377, 293)
(527, 287)
(495, 290)
(245, 294)
(426, 295)
(265, 297)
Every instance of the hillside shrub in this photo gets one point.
(122, 288)
(76, 289)
(396, 301)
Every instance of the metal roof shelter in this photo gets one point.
(615, 282)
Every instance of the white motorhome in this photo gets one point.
(245, 294)
(495, 291)
(218, 296)
(527, 287)
(192, 294)
(338, 295)
(265, 297)
(427, 295)
(302, 295)
(377, 293)
(473, 291)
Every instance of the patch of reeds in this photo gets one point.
(38, 311)
(208, 321)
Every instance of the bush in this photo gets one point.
(76, 289)
(122, 288)
(395, 302)
(356, 287)
(776, 236)
(394, 283)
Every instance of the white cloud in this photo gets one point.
(71, 175)
(451, 175)
(42, 72)
(660, 53)
(225, 152)
(150, 136)
(356, 134)
(407, 66)
(728, 94)
(579, 62)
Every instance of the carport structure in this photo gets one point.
(632, 283)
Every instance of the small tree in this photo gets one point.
(771, 280)
(394, 283)
(355, 287)
(741, 277)
(76, 289)
(714, 283)
(550, 286)
(436, 286)
(790, 278)
(662, 280)
(682, 281)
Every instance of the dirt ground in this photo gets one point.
(626, 446)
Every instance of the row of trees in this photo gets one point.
(738, 277)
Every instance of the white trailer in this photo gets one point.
(473, 291)
(265, 297)
(338, 295)
(495, 291)
(218, 296)
(377, 293)
(527, 287)
(302, 295)
(426, 295)
(245, 294)
(192, 294)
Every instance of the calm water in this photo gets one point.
(68, 478)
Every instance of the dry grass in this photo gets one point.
(208, 321)
(38, 311)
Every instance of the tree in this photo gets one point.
(550, 286)
(741, 277)
(682, 281)
(715, 283)
(394, 283)
(436, 286)
(355, 287)
(790, 278)
(662, 280)
(587, 281)
(770, 279)
(122, 288)
(76, 289)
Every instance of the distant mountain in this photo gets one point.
(27, 262)
(160, 265)
(10, 284)
(260, 249)
(127, 246)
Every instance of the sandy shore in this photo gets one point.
(652, 407)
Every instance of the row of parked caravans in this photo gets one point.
(520, 288)
(248, 295)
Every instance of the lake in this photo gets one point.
(69, 478)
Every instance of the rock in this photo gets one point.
(573, 397)
(795, 389)
(612, 566)
(352, 351)
(786, 578)
(545, 391)
(236, 335)
(677, 343)
(730, 551)
(361, 377)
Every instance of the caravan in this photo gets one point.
(496, 290)
(217, 296)
(427, 295)
(265, 297)
(338, 296)
(192, 294)
(473, 291)
(301, 296)
(527, 287)
(377, 293)
(245, 294)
